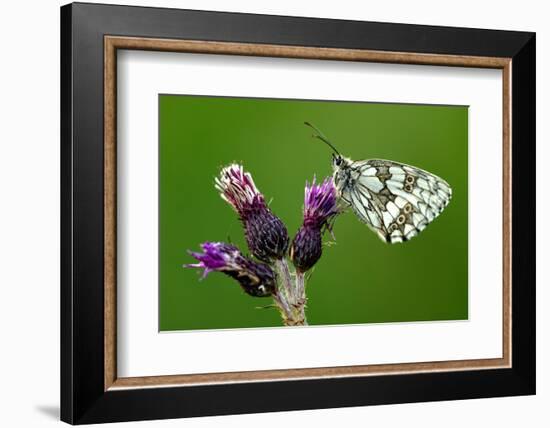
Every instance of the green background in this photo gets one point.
(359, 279)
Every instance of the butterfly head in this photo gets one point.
(337, 161)
(343, 174)
(341, 167)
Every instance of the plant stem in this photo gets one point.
(283, 273)
(290, 298)
(301, 285)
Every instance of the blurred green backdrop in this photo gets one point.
(359, 279)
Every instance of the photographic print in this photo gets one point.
(287, 212)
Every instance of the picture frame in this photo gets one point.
(91, 36)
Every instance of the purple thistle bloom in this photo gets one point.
(320, 203)
(320, 206)
(265, 233)
(256, 279)
(217, 256)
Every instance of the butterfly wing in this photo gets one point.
(395, 200)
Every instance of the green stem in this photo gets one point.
(301, 285)
(283, 273)
(290, 298)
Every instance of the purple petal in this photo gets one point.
(320, 202)
(215, 256)
(237, 187)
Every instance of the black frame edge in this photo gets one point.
(66, 130)
(297, 30)
(524, 218)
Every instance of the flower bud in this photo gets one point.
(320, 206)
(265, 233)
(256, 279)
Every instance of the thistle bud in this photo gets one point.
(256, 279)
(320, 206)
(265, 233)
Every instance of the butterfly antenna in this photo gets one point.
(318, 134)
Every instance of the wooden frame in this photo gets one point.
(112, 43)
(513, 53)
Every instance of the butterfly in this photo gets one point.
(397, 201)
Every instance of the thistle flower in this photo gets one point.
(265, 233)
(256, 279)
(320, 206)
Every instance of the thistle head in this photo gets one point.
(320, 206)
(256, 279)
(306, 248)
(320, 203)
(237, 188)
(216, 256)
(265, 233)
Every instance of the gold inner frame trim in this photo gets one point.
(113, 43)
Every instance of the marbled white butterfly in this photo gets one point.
(395, 200)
